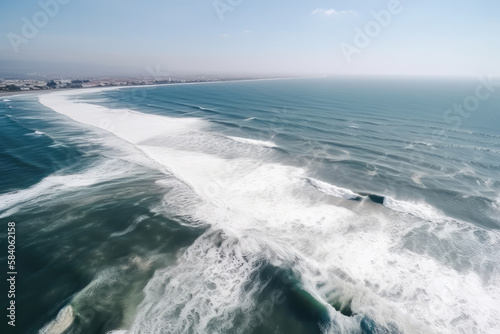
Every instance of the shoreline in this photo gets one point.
(28, 92)
(88, 89)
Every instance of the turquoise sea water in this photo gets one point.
(280, 206)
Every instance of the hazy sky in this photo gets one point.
(422, 37)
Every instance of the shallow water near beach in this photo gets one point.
(276, 206)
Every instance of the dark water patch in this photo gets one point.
(374, 198)
(18, 174)
(342, 305)
(369, 326)
(284, 306)
(29, 162)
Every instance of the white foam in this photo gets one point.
(54, 184)
(131, 227)
(206, 286)
(417, 178)
(332, 190)
(64, 319)
(422, 143)
(29, 117)
(262, 143)
(417, 209)
(6, 100)
(353, 125)
(495, 205)
(38, 133)
(56, 144)
(129, 125)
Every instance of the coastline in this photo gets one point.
(91, 89)
(29, 92)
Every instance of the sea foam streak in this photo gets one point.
(262, 143)
(269, 212)
(62, 322)
(332, 190)
(55, 183)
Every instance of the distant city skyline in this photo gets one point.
(238, 37)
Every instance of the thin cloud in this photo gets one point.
(331, 12)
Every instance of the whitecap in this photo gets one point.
(417, 178)
(131, 227)
(261, 143)
(63, 321)
(332, 190)
(55, 183)
(418, 209)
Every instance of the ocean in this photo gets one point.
(313, 205)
